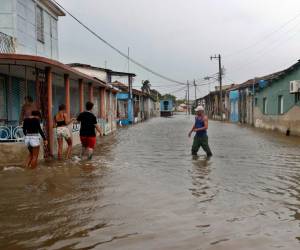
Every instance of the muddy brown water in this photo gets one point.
(143, 190)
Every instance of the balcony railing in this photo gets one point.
(7, 44)
(14, 133)
(11, 134)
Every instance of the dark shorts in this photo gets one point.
(88, 141)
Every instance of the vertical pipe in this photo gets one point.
(67, 91)
(81, 95)
(49, 109)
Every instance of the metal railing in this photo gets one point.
(11, 133)
(7, 44)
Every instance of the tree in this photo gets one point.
(146, 88)
(168, 97)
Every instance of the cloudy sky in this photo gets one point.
(177, 37)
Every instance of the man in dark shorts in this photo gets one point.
(88, 127)
(200, 128)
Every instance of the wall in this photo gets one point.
(102, 75)
(290, 120)
(18, 19)
(279, 87)
(7, 20)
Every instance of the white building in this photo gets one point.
(29, 27)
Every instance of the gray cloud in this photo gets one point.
(176, 37)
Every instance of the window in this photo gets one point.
(265, 105)
(280, 105)
(40, 24)
(297, 97)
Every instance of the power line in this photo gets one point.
(264, 37)
(117, 50)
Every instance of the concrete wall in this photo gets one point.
(18, 19)
(290, 120)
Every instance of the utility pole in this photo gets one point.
(186, 112)
(220, 81)
(188, 91)
(195, 86)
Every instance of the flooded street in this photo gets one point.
(143, 190)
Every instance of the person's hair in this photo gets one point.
(28, 98)
(89, 105)
(36, 113)
(62, 107)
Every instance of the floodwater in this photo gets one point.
(143, 190)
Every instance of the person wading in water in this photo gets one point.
(61, 122)
(200, 128)
(88, 127)
(32, 131)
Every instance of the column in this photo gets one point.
(49, 110)
(91, 92)
(37, 89)
(67, 91)
(81, 95)
(102, 103)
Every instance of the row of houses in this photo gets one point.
(29, 66)
(269, 102)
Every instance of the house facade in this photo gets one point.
(30, 27)
(277, 102)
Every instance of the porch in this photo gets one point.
(49, 83)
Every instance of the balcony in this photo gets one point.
(7, 44)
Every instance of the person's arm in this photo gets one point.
(21, 118)
(25, 128)
(97, 127)
(54, 122)
(68, 121)
(192, 130)
(99, 130)
(42, 133)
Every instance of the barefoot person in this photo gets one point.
(32, 131)
(88, 127)
(61, 122)
(200, 128)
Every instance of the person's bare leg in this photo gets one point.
(90, 153)
(83, 152)
(69, 150)
(60, 148)
(35, 156)
(29, 158)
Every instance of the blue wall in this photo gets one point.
(234, 105)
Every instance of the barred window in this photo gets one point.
(40, 24)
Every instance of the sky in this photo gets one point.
(177, 37)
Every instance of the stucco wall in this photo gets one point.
(18, 19)
(290, 120)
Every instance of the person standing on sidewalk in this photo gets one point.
(200, 128)
(88, 127)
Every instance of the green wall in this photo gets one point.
(275, 89)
